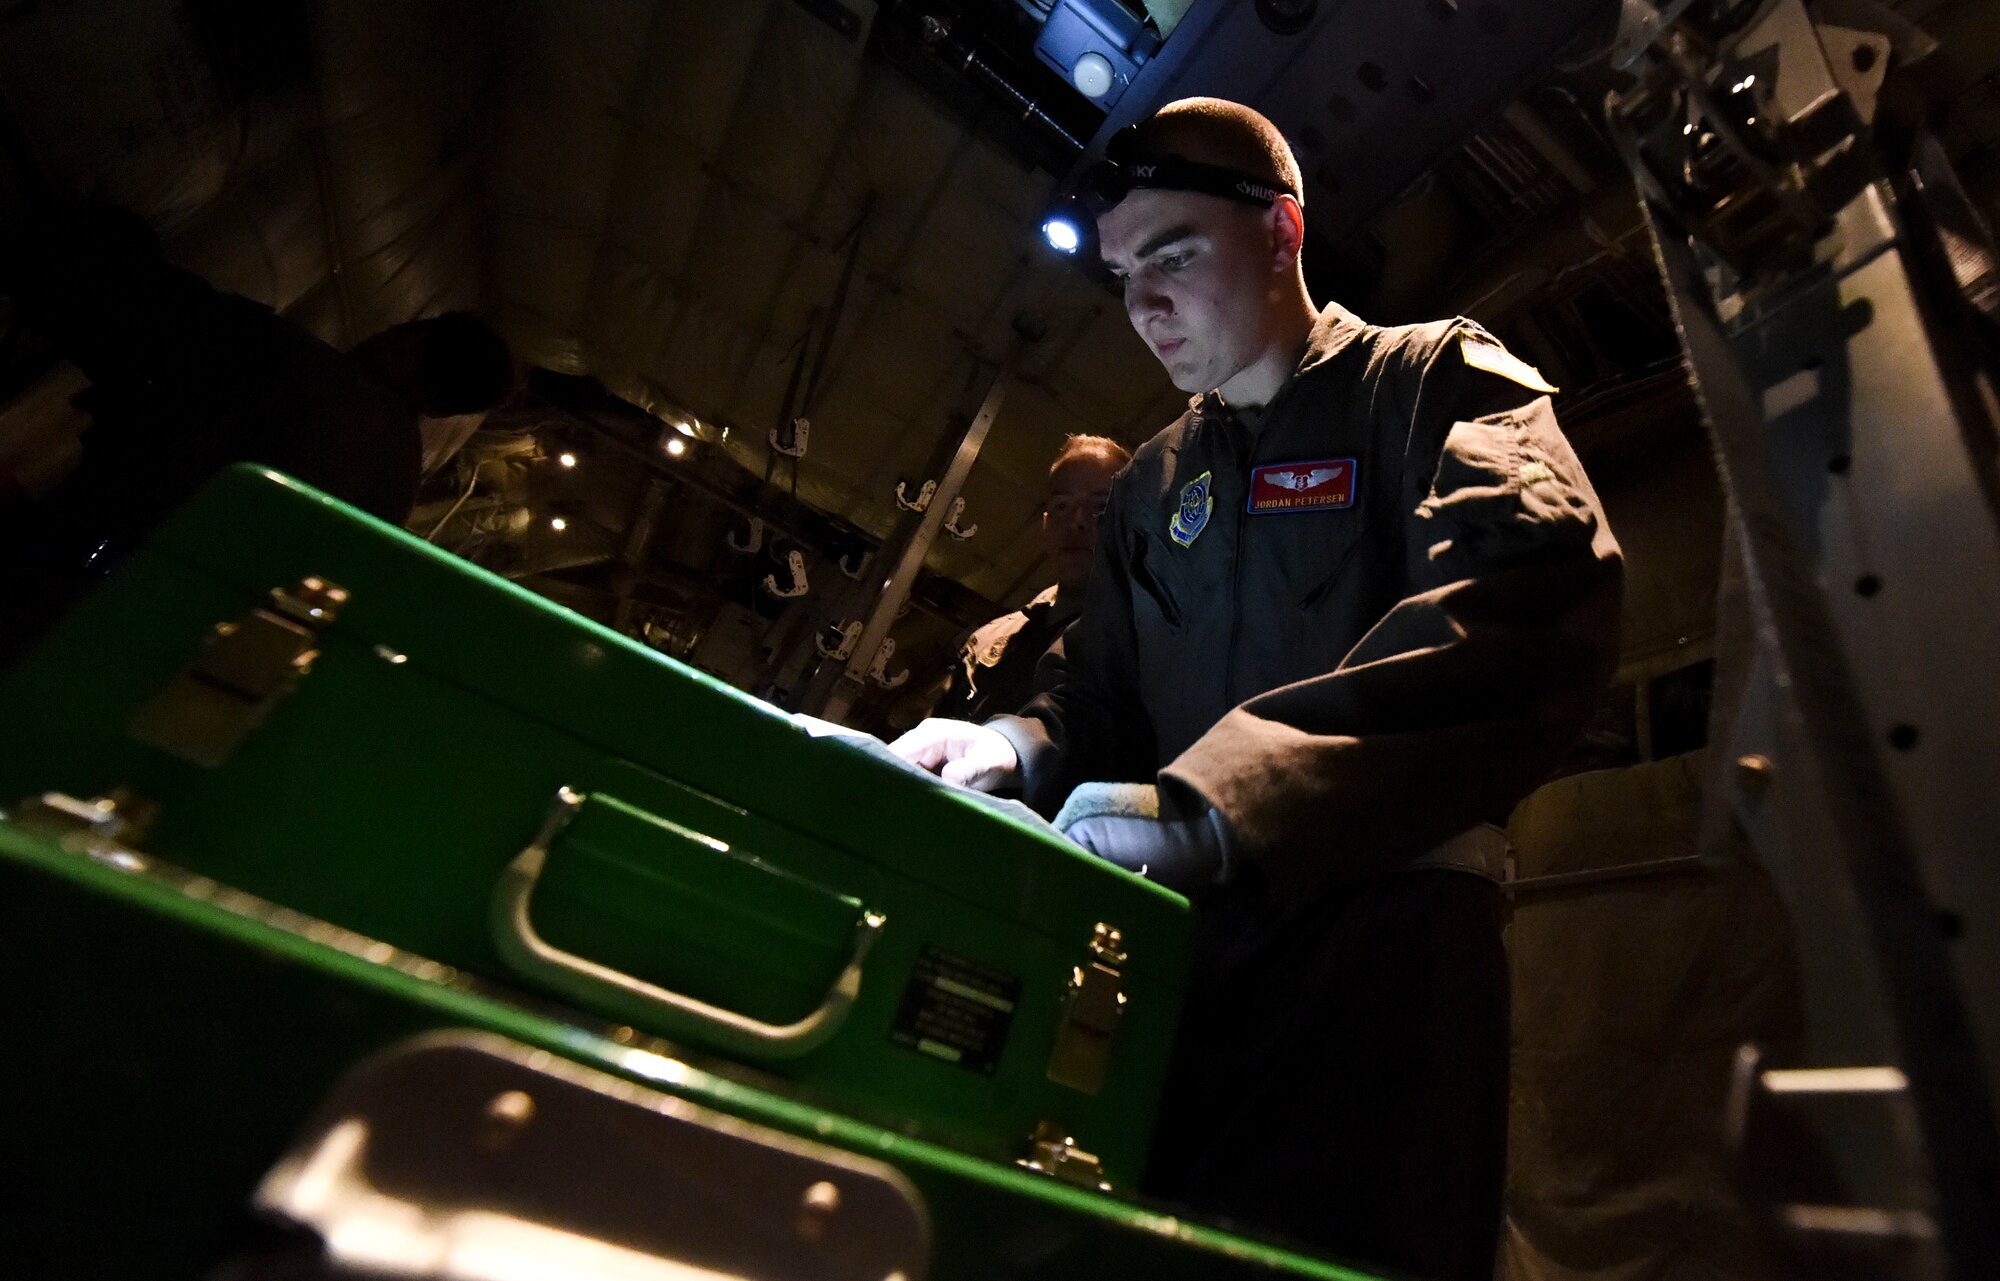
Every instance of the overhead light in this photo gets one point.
(558, 524)
(676, 446)
(1062, 233)
(685, 429)
(566, 458)
(1093, 76)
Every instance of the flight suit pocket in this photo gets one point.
(1157, 581)
(1339, 597)
(1327, 560)
(1508, 489)
(1318, 593)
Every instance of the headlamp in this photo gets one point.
(1069, 224)
(1063, 233)
(1125, 169)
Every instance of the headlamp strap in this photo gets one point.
(1114, 180)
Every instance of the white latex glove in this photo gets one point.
(962, 753)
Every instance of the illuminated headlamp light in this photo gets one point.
(1063, 233)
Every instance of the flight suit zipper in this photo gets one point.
(1243, 447)
(1236, 436)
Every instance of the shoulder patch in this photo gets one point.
(1483, 354)
(1191, 517)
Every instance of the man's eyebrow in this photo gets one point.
(1161, 241)
(1165, 238)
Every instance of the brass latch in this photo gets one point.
(242, 671)
(1053, 1152)
(1091, 1010)
(105, 828)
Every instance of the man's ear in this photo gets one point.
(1287, 223)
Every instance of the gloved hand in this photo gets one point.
(1125, 823)
(963, 753)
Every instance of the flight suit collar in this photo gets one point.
(1336, 328)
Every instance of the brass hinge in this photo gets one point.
(1053, 1152)
(1091, 1010)
(242, 671)
(106, 828)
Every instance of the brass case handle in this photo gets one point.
(613, 991)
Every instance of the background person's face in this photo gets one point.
(1077, 494)
(1198, 280)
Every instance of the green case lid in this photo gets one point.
(254, 529)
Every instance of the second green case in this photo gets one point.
(333, 715)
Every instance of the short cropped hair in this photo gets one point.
(1215, 131)
(1080, 446)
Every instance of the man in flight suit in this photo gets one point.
(997, 666)
(1354, 603)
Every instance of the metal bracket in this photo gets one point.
(242, 671)
(921, 501)
(951, 525)
(1091, 1010)
(795, 562)
(848, 633)
(1753, 152)
(1053, 1152)
(755, 540)
(878, 671)
(796, 447)
(1859, 63)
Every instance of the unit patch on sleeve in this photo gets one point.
(1495, 359)
(1307, 486)
(1192, 515)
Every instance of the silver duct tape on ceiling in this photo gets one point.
(316, 159)
(651, 192)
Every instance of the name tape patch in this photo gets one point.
(1307, 486)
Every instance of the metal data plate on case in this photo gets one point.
(468, 1157)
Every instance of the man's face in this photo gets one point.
(1198, 273)
(1077, 494)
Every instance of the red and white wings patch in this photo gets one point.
(1290, 487)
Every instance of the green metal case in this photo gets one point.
(184, 1033)
(334, 715)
